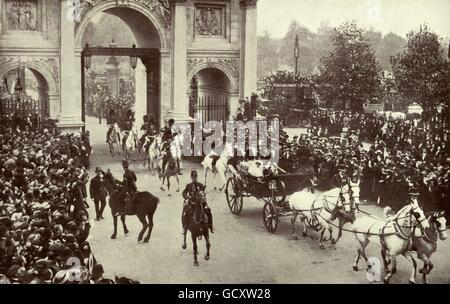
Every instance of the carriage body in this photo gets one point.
(272, 190)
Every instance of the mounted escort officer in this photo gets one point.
(129, 181)
(127, 125)
(189, 194)
(110, 121)
(149, 130)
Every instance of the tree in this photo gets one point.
(267, 55)
(350, 73)
(391, 45)
(421, 70)
(306, 42)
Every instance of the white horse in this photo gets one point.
(393, 234)
(424, 242)
(319, 211)
(152, 152)
(114, 139)
(130, 142)
(176, 148)
(221, 167)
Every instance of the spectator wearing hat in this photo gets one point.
(98, 193)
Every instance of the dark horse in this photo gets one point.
(197, 224)
(143, 205)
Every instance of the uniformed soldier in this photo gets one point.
(129, 180)
(165, 150)
(189, 194)
(110, 121)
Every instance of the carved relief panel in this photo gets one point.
(22, 15)
(210, 21)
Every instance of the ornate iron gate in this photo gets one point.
(212, 108)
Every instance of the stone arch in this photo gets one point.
(40, 69)
(138, 6)
(234, 81)
(45, 70)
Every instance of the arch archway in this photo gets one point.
(149, 31)
(47, 84)
(136, 15)
(213, 92)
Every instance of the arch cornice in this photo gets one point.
(151, 9)
(47, 67)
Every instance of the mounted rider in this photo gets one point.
(168, 135)
(166, 151)
(190, 194)
(149, 130)
(111, 120)
(129, 181)
(127, 124)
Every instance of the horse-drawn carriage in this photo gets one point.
(272, 188)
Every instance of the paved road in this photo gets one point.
(242, 251)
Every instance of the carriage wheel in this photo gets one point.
(280, 193)
(234, 198)
(270, 217)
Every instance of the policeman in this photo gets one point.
(189, 194)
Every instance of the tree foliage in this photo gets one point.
(421, 70)
(350, 74)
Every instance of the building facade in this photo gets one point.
(213, 41)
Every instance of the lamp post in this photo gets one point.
(296, 56)
(18, 88)
(392, 93)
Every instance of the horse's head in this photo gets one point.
(109, 181)
(199, 201)
(345, 203)
(438, 221)
(418, 216)
(354, 191)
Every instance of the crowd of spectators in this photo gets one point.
(44, 224)
(402, 157)
(99, 100)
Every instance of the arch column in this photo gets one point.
(180, 105)
(141, 92)
(248, 79)
(70, 116)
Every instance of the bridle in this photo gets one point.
(438, 229)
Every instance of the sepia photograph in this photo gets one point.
(211, 143)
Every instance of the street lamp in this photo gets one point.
(133, 58)
(392, 93)
(87, 58)
(18, 87)
(296, 56)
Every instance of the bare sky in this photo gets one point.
(398, 16)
